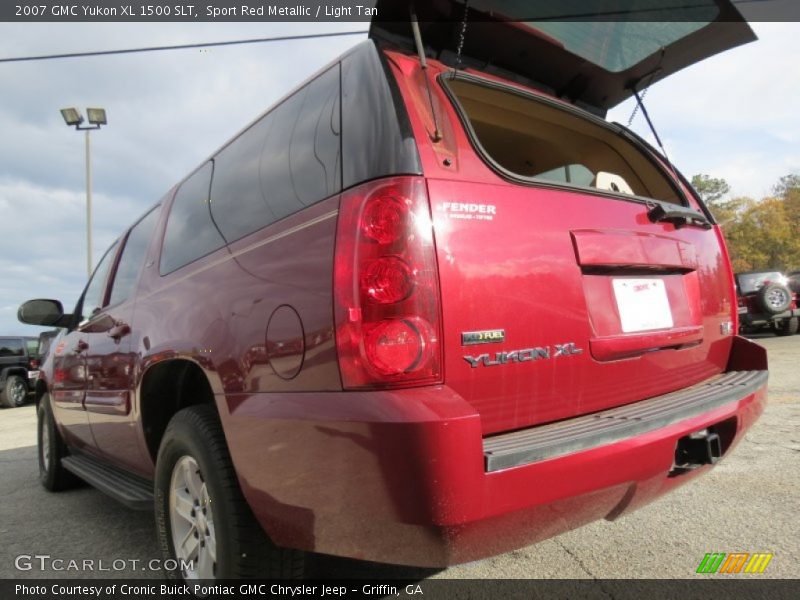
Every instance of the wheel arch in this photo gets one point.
(166, 387)
(8, 371)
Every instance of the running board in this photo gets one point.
(617, 424)
(133, 491)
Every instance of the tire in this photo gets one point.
(194, 471)
(774, 298)
(14, 392)
(51, 449)
(787, 326)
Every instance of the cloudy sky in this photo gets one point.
(732, 116)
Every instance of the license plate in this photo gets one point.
(643, 304)
(33, 374)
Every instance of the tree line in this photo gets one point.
(761, 234)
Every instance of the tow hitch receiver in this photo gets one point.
(695, 450)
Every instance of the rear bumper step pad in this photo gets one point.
(131, 490)
(609, 426)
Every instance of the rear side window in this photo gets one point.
(531, 139)
(130, 263)
(378, 140)
(190, 233)
(11, 347)
(289, 159)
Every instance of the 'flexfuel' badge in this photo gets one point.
(490, 336)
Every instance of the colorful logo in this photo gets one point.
(735, 562)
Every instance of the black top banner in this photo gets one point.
(151, 11)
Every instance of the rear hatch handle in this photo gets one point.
(678, 215)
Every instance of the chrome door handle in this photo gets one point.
(119, 330)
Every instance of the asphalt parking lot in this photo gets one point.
(749, 503)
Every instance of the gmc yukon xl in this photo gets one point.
(428, 308)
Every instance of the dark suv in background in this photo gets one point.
(767, 299)
(19, 369)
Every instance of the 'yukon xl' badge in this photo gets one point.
(524, 355)
(469, 338)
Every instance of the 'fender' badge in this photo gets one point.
(490, 336)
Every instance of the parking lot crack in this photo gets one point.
(585, 569)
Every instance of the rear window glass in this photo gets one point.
(11, 347)
(752, 282)
(378, 139)
(289, 159)
(639, 28)
(191, 232)
(531, 139)
(618, 46)
(130, 263)
(33, 347)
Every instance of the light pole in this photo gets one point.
(97, 118)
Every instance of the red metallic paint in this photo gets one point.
(110, 365)
(387, 476)
(288, 263)
(523, 262)
(397, 475)
(68, 390)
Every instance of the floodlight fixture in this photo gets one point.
(72, 116)
(97, 116)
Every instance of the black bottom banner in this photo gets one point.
(617, 589)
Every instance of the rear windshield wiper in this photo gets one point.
(678, 215)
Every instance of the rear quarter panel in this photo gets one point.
(215, 311)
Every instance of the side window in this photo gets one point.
(11, 347)
(95, 294)
(288, 160)
(190, 231)
(130, 263)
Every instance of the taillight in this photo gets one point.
(386, 287)
(33, 364)
(387, 280)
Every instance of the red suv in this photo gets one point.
(419, 312)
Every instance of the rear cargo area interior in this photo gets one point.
(532, 139)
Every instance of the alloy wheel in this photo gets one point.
(192, 521)
(18, 392)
